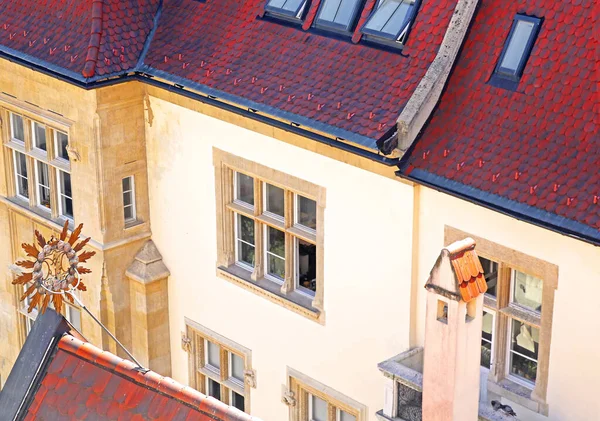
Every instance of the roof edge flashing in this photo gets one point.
(423, 100)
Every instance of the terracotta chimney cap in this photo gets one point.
(468, 275)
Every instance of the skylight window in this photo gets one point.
(293, 9)
(517, 47)
(390, 21)
(338, 15)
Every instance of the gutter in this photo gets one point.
(36, 65)
(570, 228)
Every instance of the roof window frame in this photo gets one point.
(294, 17)
(330, 26)
(397, 41)
(518, 73)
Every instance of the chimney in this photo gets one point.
(453, 321)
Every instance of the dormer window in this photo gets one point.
(287, 9)
(516, 51)
(337, 15)
(390, 21)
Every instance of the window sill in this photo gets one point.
(132, 224)
(38, 213)
(518, 394)
(294, 301)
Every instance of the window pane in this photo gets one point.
(517, 44)
(237, 367)
(213, 354)
(39, 133)
(490, 272)
(275, 200)
(245, 240)
(237, 401)
(307, 212)
(74, 317)
(21, 172)
(289, 5)
(275, 252)
(62, 140)
(487, 332)
(340, 12)
(128, 213)
(527, 290)
(307, 265)
(397, 21)
(127, 184)
(344, 416)
(43, 181)
(245, 188)
(318, 409)
(65, 194)
(524, 350)
(18, 132)
(214, 389)
(127, 198)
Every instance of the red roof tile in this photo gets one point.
(83, 382)
(225, 45)
(538, 146)
(88, 37)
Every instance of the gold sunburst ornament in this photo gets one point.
(55, 269)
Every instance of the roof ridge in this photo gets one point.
(89, 69)
(151, 380)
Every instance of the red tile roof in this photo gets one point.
(353, 87)
(84, 382)
(93, 38)
(330, 83)
(534, 151)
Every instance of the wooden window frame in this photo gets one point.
(200, 371)
(286, 293)
(34, 155)
(301, 387)
(500, 382)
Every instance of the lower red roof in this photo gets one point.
(83, 382)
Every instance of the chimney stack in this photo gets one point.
(453, 323)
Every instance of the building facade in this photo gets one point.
(265, 238)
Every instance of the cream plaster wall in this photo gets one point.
(367, 277)
(574, 374)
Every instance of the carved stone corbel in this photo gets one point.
(250, 378)
(73, 154)
(186, 343)
(288, 397)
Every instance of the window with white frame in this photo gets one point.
(218, 366)
(318, 402)
(270, 228)
(390, 21)
(21, 175)
(523, 316)
(281, 244)
(129, 211)
(41, 169)
(517, 320)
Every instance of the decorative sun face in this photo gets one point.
(54, 270)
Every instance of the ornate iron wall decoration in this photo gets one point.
(55, 269)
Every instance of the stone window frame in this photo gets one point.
(53, 124)
(300, 386)
(198, 373)
(286, 295)
(499, 382)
